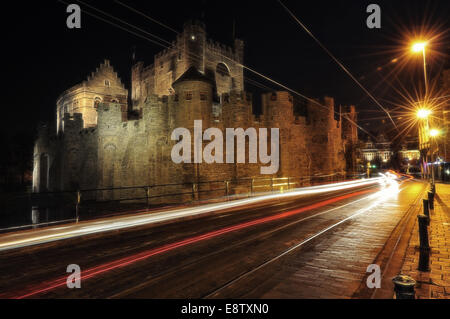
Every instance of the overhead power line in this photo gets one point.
(197, 56)
(338, 62)
(124, 22)
(146, 16)
(260, 75)
(116, 25)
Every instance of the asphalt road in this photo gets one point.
(229, 253)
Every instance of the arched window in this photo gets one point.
(97, 102)
(222, 69)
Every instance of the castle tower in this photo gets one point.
(194, 40)
(350, 136)
(278, 112)
(194, 92)
(41, 168)
(219, 62)
(349, 128)
(103, 85)
(237, 113)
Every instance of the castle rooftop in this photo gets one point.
(192, 74)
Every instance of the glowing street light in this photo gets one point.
(418, 47)
(424, 132)
(434, 132)
(423, 113)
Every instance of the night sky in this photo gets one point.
(44, 57)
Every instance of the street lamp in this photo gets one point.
(434, 132)
(418, 47)
(424, 136)
(423, 113)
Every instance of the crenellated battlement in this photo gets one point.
(220, 62)
(242, 98)
(103, 142)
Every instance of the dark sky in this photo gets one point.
(43, 57)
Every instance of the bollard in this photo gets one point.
(404, 287)
(431, 200)
(424, 257)
(426, 210)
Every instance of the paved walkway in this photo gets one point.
(436, 283)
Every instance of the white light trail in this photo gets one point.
(45, 235)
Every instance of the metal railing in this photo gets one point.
(147, 196)
(30, 209)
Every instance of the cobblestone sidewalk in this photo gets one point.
(434, 284)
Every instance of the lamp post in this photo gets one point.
(420, 47)
(434, 133)
(424, 133)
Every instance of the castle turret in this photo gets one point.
(278, 108)
(195, 92)
(103, 85)
(194, 38)
(221, 63)
(110, 116)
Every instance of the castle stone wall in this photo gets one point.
(99, 144)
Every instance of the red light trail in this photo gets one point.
(120, 263)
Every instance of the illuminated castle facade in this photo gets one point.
(101, 142)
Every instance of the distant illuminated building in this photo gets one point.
(380, 150)
(409, 155)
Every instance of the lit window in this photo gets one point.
(193, 37)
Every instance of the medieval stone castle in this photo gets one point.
(102, 142)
